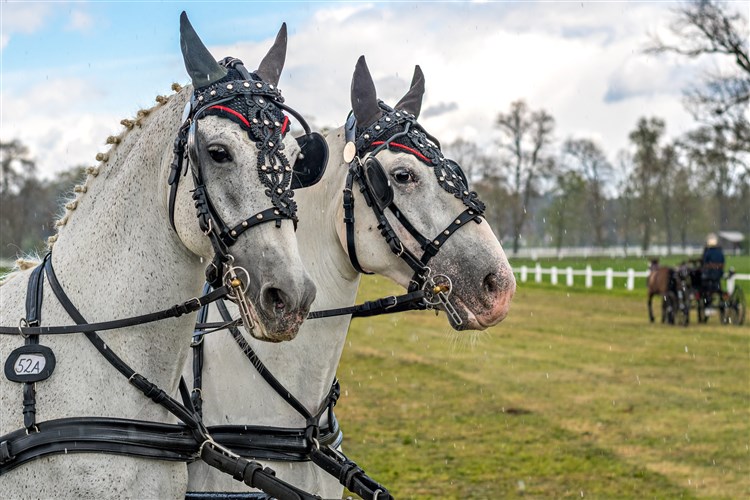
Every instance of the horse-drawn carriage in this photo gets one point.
(695, 285)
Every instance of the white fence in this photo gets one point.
(611, 252)
(568, 274)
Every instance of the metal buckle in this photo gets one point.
(395, 302)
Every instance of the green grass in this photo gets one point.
(575, 394)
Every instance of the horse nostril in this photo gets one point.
(492, 283)
(275, 297)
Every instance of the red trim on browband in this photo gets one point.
(232, 112)
(284, 125)
(406, 148)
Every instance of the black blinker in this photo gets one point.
(380, 185)
(311, 164)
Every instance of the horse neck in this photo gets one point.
(117, 256)
(308, 365)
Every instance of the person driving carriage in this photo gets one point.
(712, 265)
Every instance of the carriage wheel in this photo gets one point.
(669, 308)
(735, 308)
(701, 309)
(682, 309)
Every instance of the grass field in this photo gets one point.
(574, 395)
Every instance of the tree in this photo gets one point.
(587, 158)
(567, 211)
(15, 166)
(525, 137)
(707, 147)
(645, 173)
(708, 28)
(482, 177)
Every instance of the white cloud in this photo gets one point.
(80, 21)
(55, 127)
(23, 18)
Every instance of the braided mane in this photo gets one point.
(73, 201)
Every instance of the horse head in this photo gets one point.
(418, 205)
(234, 140)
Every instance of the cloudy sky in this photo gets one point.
(72, 70)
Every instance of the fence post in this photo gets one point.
(538, 273)
(569, 276)
(553, 275)
(589, 277)
(524, 274)
(631, 279)
(730, 285)
(608, 279)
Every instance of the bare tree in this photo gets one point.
(483, 178)
(525, 137)
(709, 28)
(645, 174)
(586, 157)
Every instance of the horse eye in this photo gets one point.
(219, 154)
(402, 176)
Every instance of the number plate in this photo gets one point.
(30, 363)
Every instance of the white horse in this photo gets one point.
(482, 281)
(116, 255)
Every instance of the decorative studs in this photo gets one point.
(266, 123)
(244, 223)
(377, 127)
(471, 212)
(264, 168)
(261, 101)
(246, 84)
(270, 86)
(234, 233)
(277, 124)
(259, 216)
(255, 120)
(213, 92)
(441, 178)
(230, 86)
(259, 85)
(288, 168)
(200, 97)
(276, 168)
(466, 193)
(387, 118)
(270, 143)
(367, 136)
(279, 190)
(276, 212)
(436, 243)
(446, 232)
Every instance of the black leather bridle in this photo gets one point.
(257, 107)
(365, 144)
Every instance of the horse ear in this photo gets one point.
(271, 65)
(364, 98)
(200, 64)
(412, 101)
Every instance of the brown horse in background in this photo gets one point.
(658, 284)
